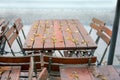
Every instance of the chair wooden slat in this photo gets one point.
(95, 20)
(94, 26)
(43, 75)
(107, 31)
(70, 60)
(12, 39)
(104, 37)
(23, 61)
(9, 32)
(18, 25)
(55, 62)
(4, 26)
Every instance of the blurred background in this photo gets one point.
(84, 10)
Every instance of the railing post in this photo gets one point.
(114, 34)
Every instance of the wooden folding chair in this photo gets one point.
(29, 64)
(10, 36)
(105, 34)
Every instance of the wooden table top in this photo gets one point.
(58, 35)
(10, 72)
(90, 73)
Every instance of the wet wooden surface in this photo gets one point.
(90, 73)
(58, 35)
(10, 73)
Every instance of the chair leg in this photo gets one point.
(23, 34)
(90, 31)
(60, 53)
(103, 56)
(20, 47)
(49, 65)
(20, 41)
(12, 52)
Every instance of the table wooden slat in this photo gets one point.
(86, 36)
(67, 35)
(30, 37)
(39, 36)
(59, 43)
(76, 35)
(75, 73)
(49, 30)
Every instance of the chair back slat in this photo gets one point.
(12, 39)
(94, 26)
(70, 60)
(97, 21)
(17, 21)
(23, 61)
(43, 75)
(107, 31)
(55, 62)
(104, 37)
(9, 32)
(18, 25)
(4, 26)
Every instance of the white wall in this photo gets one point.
(57, 3)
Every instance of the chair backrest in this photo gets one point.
(105, 34)
(23, 61)
(18, 25)
(10, 36)
(53, 63)
(96, 24)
